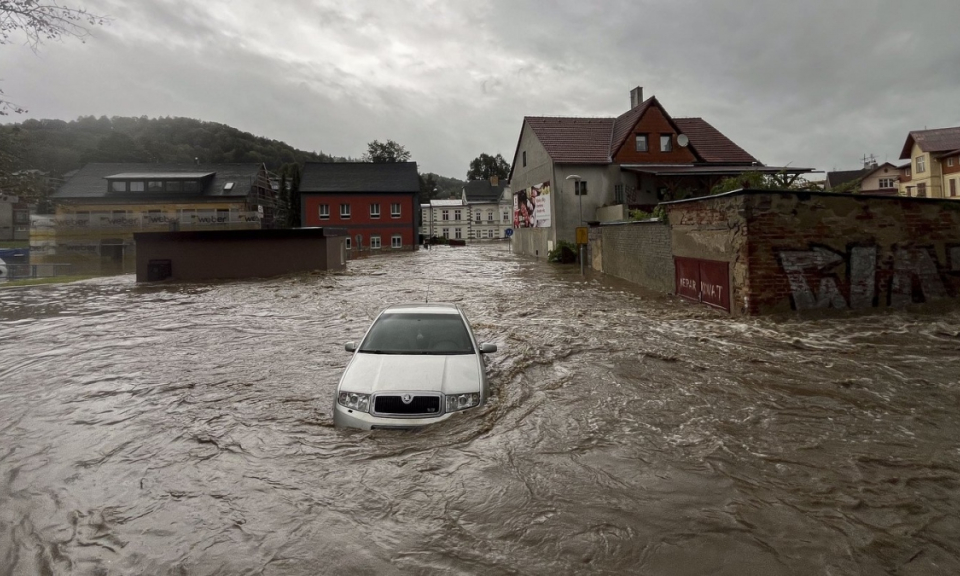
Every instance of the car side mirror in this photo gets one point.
(350, 346)
(488, 348)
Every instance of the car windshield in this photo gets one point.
(418, 333)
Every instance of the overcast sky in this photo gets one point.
(815, 83)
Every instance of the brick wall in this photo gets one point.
(637, 251)
(829, 251)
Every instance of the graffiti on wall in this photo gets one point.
(907, 275)
(531, 207)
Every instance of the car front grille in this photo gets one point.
(419, 405)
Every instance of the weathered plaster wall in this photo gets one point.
(715, 229)
(809, 250)
(637, 251)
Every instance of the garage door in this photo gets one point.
(705, 281)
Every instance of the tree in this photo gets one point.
(485, 166)
(388, 151)
(759, 181)
(41, 22)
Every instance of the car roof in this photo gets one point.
(425, 308)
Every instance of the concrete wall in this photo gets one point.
(616, 213)
(636, 251)
(241, 253)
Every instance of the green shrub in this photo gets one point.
(564, 253)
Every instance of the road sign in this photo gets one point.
(508, 232)
(582, 235)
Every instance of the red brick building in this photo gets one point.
(376, 202)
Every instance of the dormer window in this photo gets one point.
(136, 187)
(641, 141)
(118, 186)
(666, 142)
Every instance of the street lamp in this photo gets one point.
(576, 189)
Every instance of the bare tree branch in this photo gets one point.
(44, 21)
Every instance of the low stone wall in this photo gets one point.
(636, 251)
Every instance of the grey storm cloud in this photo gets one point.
(814, 83)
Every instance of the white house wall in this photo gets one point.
(539, 169)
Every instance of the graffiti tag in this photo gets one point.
(915, 276)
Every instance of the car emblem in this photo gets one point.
(406, 398)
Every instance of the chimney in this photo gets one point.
(494, 180)
(636, 97)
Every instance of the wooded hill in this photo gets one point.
(57, 147)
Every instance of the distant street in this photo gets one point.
(187, 429)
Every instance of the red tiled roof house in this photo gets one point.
(565, 169)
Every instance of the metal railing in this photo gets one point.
(142, 221)
(24, 271)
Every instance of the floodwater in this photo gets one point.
(186, 429)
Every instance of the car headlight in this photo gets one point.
(354, 401)
(462, 401)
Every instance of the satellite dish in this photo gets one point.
(682, 140)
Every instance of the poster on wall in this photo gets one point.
(531, 207)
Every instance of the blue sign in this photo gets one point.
(508, 232)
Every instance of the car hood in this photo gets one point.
(375, 373)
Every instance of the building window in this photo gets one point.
(922, 190)
(173, 186)
(618, 193)
(456, 215)
(136, 186)
(375, 210)
(155, 186)
(118, 186)
(396, 241)
(446, 232)
(479, 216)
(324, 211)
(23, 216)
(374, 242)
(395, 210)
(524, 158)
(506, 216)
(887, 183)
(642, 143)
(445, 215)
(489, 215)
(921, 164)
(666, 142)
(580, 188)
(345, 211)
(953, 188)
(907, 172)
(190, 186)
(457, 233)
(348, 242)
(949, 161)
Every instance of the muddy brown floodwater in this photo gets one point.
(187, 429)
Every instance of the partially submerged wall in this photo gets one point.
(636, 251)
(230, 254)
(825, 250)
(714, 229)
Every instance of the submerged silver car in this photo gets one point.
(418, 364)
